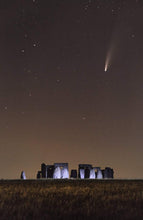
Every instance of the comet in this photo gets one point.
(105, 68)
(115, 43)
(107, 62)
(109, 58)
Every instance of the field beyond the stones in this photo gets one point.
(71, 199)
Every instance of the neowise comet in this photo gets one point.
(106, 64)
(107, 61)
(114, 47)
(108, 58)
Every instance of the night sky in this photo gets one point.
(57, 104)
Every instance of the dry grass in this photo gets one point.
(71, 199)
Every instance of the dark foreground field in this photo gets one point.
(71, 199)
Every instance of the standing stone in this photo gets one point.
(99, 174)
(81, 173)
(44, 170)
(87, 173)
(38, 174)
(23, 176)
(92, 174)
(108, 173)
(50, 171)
(57, 173)
(64, 173)
(73, 173)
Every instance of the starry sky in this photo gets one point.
(57, 104)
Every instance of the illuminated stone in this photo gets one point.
(64, 173)
(23, 176)
(92, 174)
(81, 173)
(99, 174)
(57, 173)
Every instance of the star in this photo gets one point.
(25, 35)
(84, 117)
(58, 81)
(30, 94)
(132, 35)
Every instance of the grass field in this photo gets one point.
(71, 199)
